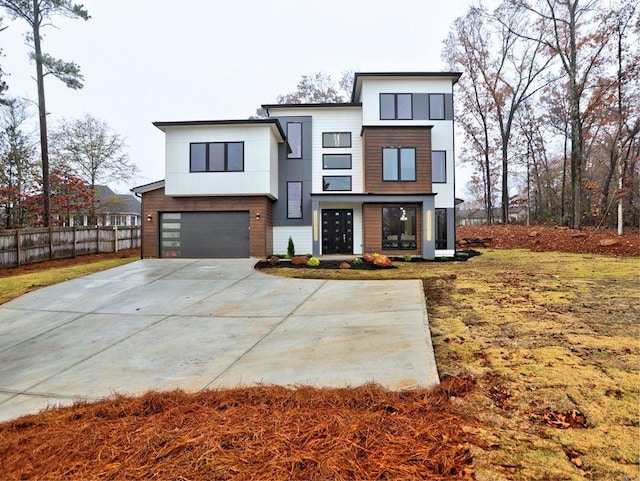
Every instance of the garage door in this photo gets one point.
(204, 234)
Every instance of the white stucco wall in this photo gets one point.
(260, 161)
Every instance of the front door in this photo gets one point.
(337, 231)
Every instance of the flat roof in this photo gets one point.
(455, 76)
(188, 123)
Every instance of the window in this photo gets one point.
(336, 139)
(438, 166)
(216, 157)
(399, 164)
(399, 228)
(441, 228)
(294, 200)
(294, 136)
(336, 161)
(436, 106)
(396, 107)
(336, 182)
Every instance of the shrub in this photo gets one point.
(375, 254)
(291, 249)
(357, 261)
(313, 262)
(407, 257)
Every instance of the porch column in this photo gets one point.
(428, 227)
(315, 226)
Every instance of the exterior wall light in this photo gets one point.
(148, 217)
(257, 215)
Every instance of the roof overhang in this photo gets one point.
(273, 124)
(360, 76)
(141, 189)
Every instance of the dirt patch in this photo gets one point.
(550, 239)
(58, 263)
(253, 433)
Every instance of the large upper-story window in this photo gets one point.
(399, 164)
(396, 107)
(415, 106)
(294, 136)
(216, 157)
(336, 139)
(438, 166)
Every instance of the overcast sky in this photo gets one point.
(150, 60)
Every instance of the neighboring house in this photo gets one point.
(374, 174)
(111, 210)
(517, 215)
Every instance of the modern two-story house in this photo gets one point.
(372, 175)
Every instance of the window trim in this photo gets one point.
(207, 157)
(395, 105)
(324, 189)
(301, 195)
(399, 161)
(444, 170)
(336, 155)
(324, 146)
(291, 155)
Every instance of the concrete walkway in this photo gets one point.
(198, 324)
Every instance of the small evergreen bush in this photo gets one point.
(291, 249)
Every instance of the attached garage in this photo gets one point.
(204, 234)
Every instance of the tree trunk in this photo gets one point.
(42, 110)
(505, 185)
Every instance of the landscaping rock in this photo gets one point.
(368, 257)
(274, 260)
(608, 242)
(299, 260)
(382, 261)
(345, 265)
(534, 233)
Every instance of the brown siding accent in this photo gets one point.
(261, 230)
(372, 229)
(375, 138)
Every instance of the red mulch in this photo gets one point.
(551, 239)
(265, 432)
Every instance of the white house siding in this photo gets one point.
(442, 138)
(332, 119)
(260, 161)
(301, 236)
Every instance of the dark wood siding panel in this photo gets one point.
(261, 230)
(375, 138)
(372, 229)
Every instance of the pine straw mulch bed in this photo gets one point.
(264, 432)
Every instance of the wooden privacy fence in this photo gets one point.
(26, 246)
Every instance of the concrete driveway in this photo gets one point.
(197, 324)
